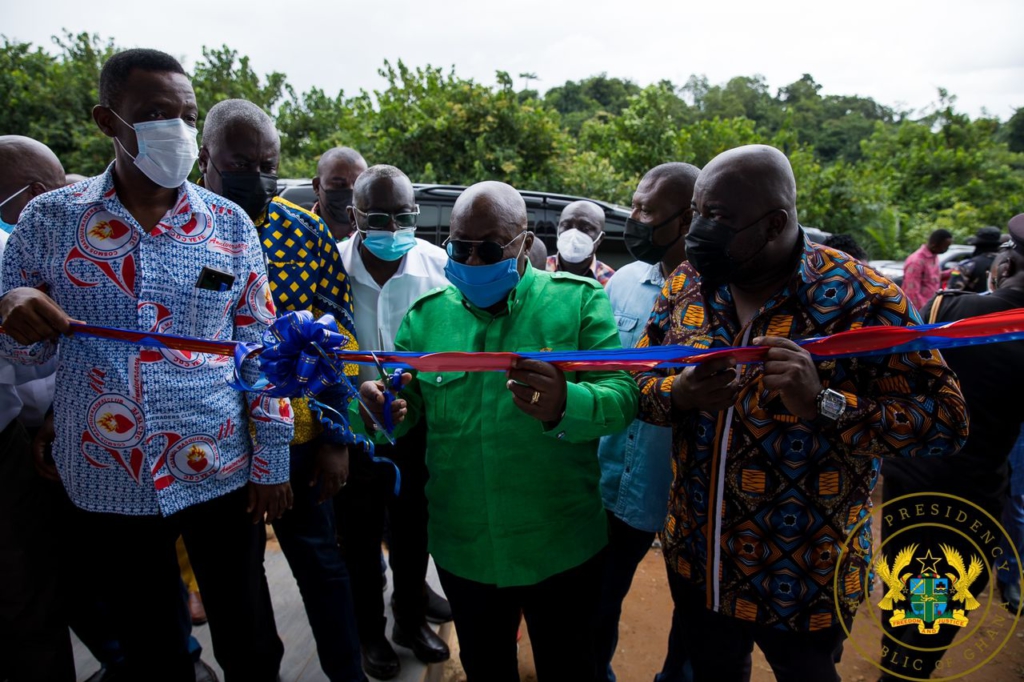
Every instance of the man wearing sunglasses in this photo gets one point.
(239, 159)
(516, 520)
(390, 268)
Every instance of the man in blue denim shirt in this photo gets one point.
(636, 469)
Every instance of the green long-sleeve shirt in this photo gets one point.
(510, 502)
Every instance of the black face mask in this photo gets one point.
(251, 190)
(335, 203)
(707, 248)
(639, 238)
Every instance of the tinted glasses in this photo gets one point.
(460, 250)
(380, 221)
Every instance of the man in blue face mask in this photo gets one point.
(29, 169)
(390, 268)
(516, 523)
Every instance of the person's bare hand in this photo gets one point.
(709, 386)
(330, 468)
(30, 316)
(372, 393)
(269, 502)
(538, 389)
(41, 444)
(790, 370)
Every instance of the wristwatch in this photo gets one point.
(831, 404)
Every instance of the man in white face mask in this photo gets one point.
(580, 232)
(153, 444)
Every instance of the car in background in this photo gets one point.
(543, 211)
(893, 269)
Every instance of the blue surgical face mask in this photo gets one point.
(6, 226)
(387, 245)
(485, 285)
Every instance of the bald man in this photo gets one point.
(239, 159)
(336, 175)
(30, 168)
(516, 522)
(580, 232)
(773, 461)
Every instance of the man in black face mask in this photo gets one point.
(239, 160)
(336, 174)
(773, 459)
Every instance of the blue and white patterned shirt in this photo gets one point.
(141, 431)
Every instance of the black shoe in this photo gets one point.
(438, 609)
(1011, 596)
(204, 673)
(380, 660)
(425, 644)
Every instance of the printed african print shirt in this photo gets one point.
(762, 501)
(149, 431)
(305, 273)
(599, 271)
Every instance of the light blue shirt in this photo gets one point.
(636, 464)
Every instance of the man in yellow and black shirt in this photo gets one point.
(239, 159)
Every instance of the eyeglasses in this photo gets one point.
(380, 221)
(460, 250)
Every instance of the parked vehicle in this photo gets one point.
(893, 269)
(543, 210)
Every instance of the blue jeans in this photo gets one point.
(627, 547)
(309, 541)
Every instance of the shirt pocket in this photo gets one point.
(208, 312)
(440, 398)
(629, 329)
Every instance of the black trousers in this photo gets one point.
(361, 508)
(135, 564)
(560, 612)
(34, 641)
(720, 646)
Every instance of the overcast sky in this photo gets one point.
(896, 51)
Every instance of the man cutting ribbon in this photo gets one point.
(516, 521)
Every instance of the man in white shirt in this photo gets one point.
(389, 269)
(32, 628)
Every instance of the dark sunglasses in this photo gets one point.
(380, 221)
(460, 250)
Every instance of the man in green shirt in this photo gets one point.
(516, 520)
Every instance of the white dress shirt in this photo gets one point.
(25, 390)
(379, 310)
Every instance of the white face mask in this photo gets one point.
(167, 150)
(575, 246)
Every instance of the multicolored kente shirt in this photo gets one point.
(762, 501)
(144, 431)
(306, 273)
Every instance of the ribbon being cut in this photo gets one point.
(303, 357)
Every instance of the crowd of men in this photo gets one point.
(537, 491)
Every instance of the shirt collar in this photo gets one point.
(101, 190)
(654, 276)
(413, 264)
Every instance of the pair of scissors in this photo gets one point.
(392, 385)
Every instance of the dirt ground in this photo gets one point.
(647, 612)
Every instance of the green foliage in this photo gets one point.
(888, 177)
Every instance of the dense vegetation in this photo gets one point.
(887, 176)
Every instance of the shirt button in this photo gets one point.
(561, 435)
(440, 379)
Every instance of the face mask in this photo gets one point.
(485, 285)
(4, 225)
(707, 248)
(387, 245)
(639, 239)
(167, 150)
(251, 190)
(575, 246)
(335, 203)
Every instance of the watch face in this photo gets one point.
(832, 404)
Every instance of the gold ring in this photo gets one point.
(536, 398)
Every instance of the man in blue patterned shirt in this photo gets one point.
(239, 159)
(153, 444)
